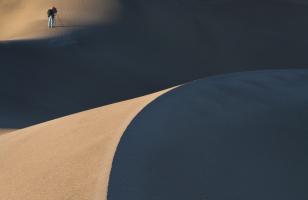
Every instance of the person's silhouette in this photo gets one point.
(51, 17)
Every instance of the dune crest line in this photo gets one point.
(67, 158)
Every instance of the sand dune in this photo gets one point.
(26, 19)
(68, 158)
(236, 136)
(106, 51)
(2, 131)
(172, 148)
(151, 46)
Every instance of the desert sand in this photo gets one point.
(68, 158)
(26, 19)
(234, 136)
(106, 53)
(2, 131)
(149, 46)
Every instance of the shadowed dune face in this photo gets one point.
(27, 19)
(151, 46)
(237, 136)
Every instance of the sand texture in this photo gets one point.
(68, 158)
(236, 136)
(27, 19)
(3, 131)
(149, 46)
(236, 128)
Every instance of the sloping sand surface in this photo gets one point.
(235, 136)
(151, 46)
(2, 131)
(68, 158)
(104, 51)
(25, 19)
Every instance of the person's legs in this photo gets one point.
(54, 22)
(50, 22)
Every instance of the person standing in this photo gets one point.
(51, 17)
(54, 11)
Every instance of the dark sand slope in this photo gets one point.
(152, 45)
(239, 136)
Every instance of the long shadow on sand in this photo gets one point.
(75, 26)
(152, 47)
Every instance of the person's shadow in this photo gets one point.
(74, 26)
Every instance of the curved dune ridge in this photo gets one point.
(151, 46)
(68, 158)
(236, 136)
(27, 19)
(119, 50)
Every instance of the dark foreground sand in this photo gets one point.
(237, 136)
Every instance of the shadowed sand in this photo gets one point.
(152, 45)
(236, 136)
(68, 158)
(119, 50)
(71, 157)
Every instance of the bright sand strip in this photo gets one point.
(27, 19)
(67, 158)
